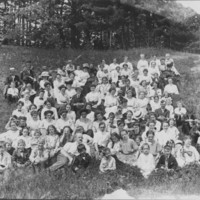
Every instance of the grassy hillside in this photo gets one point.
(60, 186)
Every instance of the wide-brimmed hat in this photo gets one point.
(45, 74)
(84, 110)
(62, 86)
(48, 112)
(138, 115)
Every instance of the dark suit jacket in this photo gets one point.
(159, 112)
(125, 89)
(172, 163)
(16, 79)
(75, 100)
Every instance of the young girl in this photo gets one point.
(146, 161)
(108, 163)
(36, 137)
(173, 130)
(114, 144)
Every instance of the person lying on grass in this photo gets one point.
(108, 163)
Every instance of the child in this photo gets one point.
(108, 163)
(12, 93)
(37, 135)
(20, 156)
(38, 157)
(146, 161)
(82, 161)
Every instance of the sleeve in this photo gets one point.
(32, 156)
(113, 164)
(196, 153)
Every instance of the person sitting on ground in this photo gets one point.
(9, 148)
(108, 163)
(146, 162)
(167, 161)
(82, 161)
(38, 157)
(12, 93)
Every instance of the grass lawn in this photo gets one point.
(43, 186)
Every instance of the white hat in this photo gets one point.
(12, 69)
(138, 114)
(45, 74)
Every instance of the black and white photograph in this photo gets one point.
(100, 99)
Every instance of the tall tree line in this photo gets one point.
(97, 24)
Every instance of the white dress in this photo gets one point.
(111, 104)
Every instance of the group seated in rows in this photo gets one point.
(68, 116)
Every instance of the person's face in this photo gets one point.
(136, 129)
(68, 107)
(62, 90)
(92, 89)
(165, 126)
(129, 115)
(49, 116)
(146, 150)
(129, 94)
(154, 57)
(79, 138)
(179, 105)
(40, 145)
(142, 95)
(71, 76)
(8, 146)
(99, 117)
(37, 134)
(167, 151)
(153, 64)
(13, 126)
(153, 118)
(48, 104)
(126, 59)
(34, 116)
(151, 126)
(26, 96)
(144, 83)
(142, 56)
(155, 85)
(114, 60)
(170, 81)
(125, 67)
(123, 78)
(114, 139)
(163, 105)
(51, 130)
(156, 99)
(102, 127)
(21, 146)
(58, 76)
(162, 62)
(124, 135)
(84, 114)
(145, 73)
(171, 122)
(128, 83)
(167, 56)
(121, 126)
(118, 69)
(107, 154)
(64, 115)
(25, 132)
(150, 137)
(41, 94)
(104, 80)
(103, 62)
(188, 142)
(19, 106)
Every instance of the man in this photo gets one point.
(68, 152)
(162, 113)
(113, 65)
(167, 161)
(78, 101)
(127, 88)
(12, 78)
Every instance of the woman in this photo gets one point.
(129, 149)
(114, 144)
(71, 115)
(34, 122)
(83, 121)
(103, 88)
(20, 111)
(98, 119)
(47, 121)
(111, 102)
(64, 121)
(155, 103)
(180, 113)
(28, 89)
(66, 135)
(70, 92)
(26, 101)
(173, 130)
(32, 107)
(57, 83)
(155, 91)
(142, 102)
(129, 120)
(132, 102)
(49, 106)
(62, 97)
(52, 141)
(171, 88)
(146, 162)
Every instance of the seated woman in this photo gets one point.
(108, 163)
(111, 102)
(36, 137)
(155, 103)
(12, 93)
(66, 135)
(170, 87)
(103, 88)
(129, 149)
(20, 111)
(190, 153)
(154, 90)
(71, 115)
(34, 122)
(83, 121)
(49, 106)
(180, 113)
(173, 130)
(38, 157)
(8, 147)
(57, 83)
(5, 162)
(52, 141)
(62, 98)
(26, 100)
(28, 89)
(20, 157)
(114, 143)
(47, 121)
(146, 162)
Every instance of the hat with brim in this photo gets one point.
(12, 69)
(69, 82)
(61, 87)
(168, 147)
(78, 88)
(45, 74)
(48, 112)
(85, 65)
(62, 111)
(46, 84)
(138, 115)
(179, 142)
(60, 72)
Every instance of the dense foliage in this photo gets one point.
(98, 24)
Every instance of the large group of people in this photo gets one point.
(68, 116)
